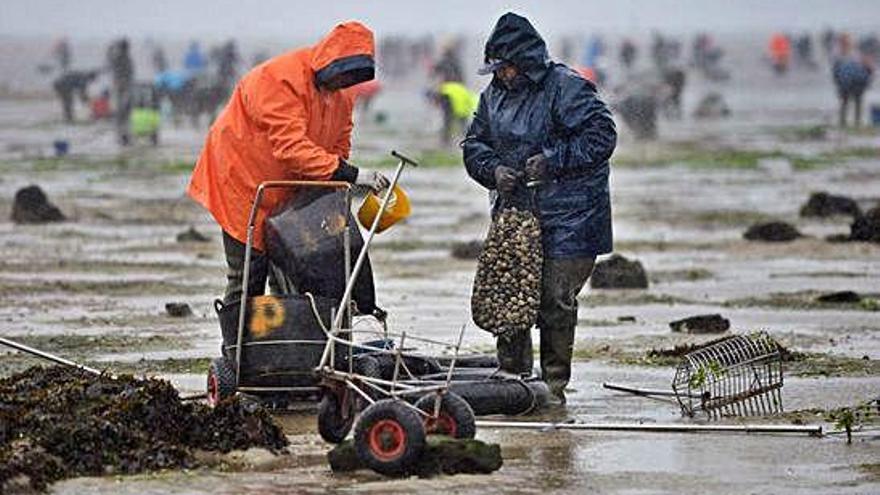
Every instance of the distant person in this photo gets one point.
(541, 120)
(628, 52)
(72, 84)
(228, 58)
(779, 49)
(448, 66)
(458, 104)
(828, 39)
(288, 118)
(160, 61)
(852, 75)
(122, 75)
(674, 79)
(194, 60)
(100, 106)
(594, 52)
(804, 50)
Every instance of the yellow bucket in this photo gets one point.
(398, 208)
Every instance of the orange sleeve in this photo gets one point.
(342, 147)
(277, 106)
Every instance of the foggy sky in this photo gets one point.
(297, 19)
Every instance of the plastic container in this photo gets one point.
(398, 208)
(61, 146)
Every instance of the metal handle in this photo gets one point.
(46, 355)
(362, 256)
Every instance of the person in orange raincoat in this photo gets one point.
(780, 52)
(289, 118)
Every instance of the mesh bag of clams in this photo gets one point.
(507, 288)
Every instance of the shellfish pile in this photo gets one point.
(507, 287)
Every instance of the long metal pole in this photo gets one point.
(646, 391)
(346, 296)
(656, 428)
(46, 355)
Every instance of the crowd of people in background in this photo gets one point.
(647, 80)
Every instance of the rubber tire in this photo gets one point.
(471, 361)
(367, 366)
(406, 422)
(222, 373)
(454, 410)
(332, 427)
(418, 365)
(510, 397)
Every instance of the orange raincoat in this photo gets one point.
(278, 125)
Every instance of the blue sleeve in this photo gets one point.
(480, 158)
(584, 134)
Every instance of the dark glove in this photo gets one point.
(536, 167)
(505, 179)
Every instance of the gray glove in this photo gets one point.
(372, 179)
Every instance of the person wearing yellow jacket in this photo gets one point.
(458, 104)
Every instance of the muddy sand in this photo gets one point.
(94, 288)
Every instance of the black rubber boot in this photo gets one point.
(515, 352)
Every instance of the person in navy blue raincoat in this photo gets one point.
(541, 120)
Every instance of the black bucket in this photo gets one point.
(283, 340)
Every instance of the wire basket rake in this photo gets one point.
(740, 375)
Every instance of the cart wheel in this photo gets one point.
(456, 418)
(221, 381)
(334, 423)
(389, 437)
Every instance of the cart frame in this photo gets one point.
(403, 383)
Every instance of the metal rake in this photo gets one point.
(740, 375)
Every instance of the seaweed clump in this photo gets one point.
(60, 423)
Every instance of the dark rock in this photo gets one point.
(844, 296)
(714, 323)
(442, 455)
(867, 227)
(32, 206)
(822, 204)
(618, 272)
(712, 106)
(626, 319)
(467, 250)
(772, 232)
(192, 235)
(178, 310)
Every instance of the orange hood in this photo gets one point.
(345, 40)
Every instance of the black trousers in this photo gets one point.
(259, 273)
(561, 281)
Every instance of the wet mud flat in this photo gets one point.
(94, 288)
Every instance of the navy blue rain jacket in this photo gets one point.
(554, 111)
